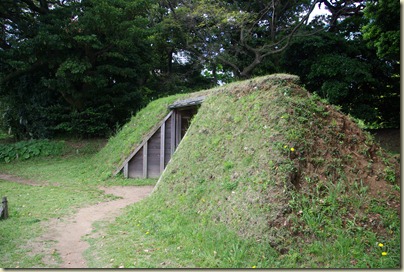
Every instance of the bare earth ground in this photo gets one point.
(19, 180)
(68, 232)
(65, 235)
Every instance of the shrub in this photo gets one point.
(25, 150)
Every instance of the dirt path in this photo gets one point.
(68, 232)
(65, 235)
(20, 180)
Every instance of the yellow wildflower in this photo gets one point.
(292, 149)
(384, 253)
(254, 266)
(381, 245)
(285, 146)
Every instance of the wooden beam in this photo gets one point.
(126, 170)
(145, 160)
(190, 102)
(177, 130)
(162, 146)
(173, 121)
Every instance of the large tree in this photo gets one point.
(83, 65)
(382, 32)
(236, 34)
(338, 65)
(88, 59)
(383, 29)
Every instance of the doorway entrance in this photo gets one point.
(151, 157)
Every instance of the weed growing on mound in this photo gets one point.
(331, 189)
(167, 239)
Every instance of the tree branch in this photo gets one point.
(232, 65)
(286, 40)
(11, 76)
(42, 9)
(342, 9)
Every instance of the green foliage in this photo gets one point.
(84, 60)
(100, 61)
(89, 122)
(28, 120)
(25, 150)
(390, 174)
(338, 74)
(382, 30)
(237, 37)
(347, 73)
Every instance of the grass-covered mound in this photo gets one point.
(267, 176)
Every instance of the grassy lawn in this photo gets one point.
(65, 184)
(29, 209)
(169, 239)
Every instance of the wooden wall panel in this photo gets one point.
(162, 146)
(135, 165)
(153, 155)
